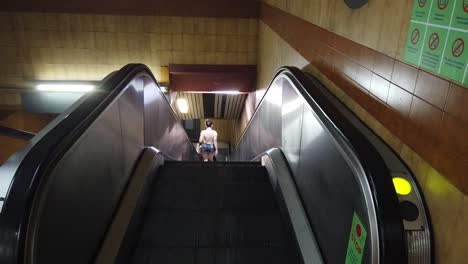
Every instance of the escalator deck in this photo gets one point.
(213, 213)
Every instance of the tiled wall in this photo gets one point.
(424, 111)
(50, 46)
(381, 25)
(358, 82)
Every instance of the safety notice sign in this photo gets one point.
(437, 37)
(357, 241)
(433, 49)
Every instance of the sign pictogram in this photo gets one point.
(357, 242)
(458, 47)
(415, 36)
(442, 4)
(422, 3)
(358, 230)
(465, 5)
(434, 41)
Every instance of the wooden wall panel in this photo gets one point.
(27, 121)
(9, 146)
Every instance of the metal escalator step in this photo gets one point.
(212, 229)
(212, 256)
(212, 213)
(213, 174)
(213, 196)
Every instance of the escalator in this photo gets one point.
(114, 179)
(212, 213)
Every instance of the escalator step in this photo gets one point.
(227, 174)
(212, 256)
(212, 213)
(212, 196)
(212, 229)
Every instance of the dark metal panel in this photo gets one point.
(82, 185)
(208, 105)
(162, 127)
(131, 114)
(291, 121)
(223, 105)
(337, 193)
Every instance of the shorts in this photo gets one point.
(207, 148)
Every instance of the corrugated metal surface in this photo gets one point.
(195, 105)
(225, 106)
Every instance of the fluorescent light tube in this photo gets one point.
(65, 87)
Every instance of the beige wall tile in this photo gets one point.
(80, 46)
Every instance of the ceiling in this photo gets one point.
(199, 8)
(203, 105)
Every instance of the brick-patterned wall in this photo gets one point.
(58, 46)
(357, 75)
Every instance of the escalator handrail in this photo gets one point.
(47, 148)
(379, 178)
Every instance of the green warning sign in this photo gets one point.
(414, 47)
(421, 10)
(454, 64)
(460, 14)
(437, 37)
(441, 13)
(357, 241)
(433, 49)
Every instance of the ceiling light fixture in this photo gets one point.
(163, 89)
(228, 92)
(182, 105)
(65, 87)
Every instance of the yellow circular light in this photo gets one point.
(402, 186)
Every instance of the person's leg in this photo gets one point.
(210, 156)
(205, 156)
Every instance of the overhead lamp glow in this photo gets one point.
(182, 105)
(65, 87)
(402, 186)
(218, 92)
(228, 92)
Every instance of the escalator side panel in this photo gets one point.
(337, 171)
(86, 182)
(170, 139)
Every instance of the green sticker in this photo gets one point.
(455, 58)
(441, 12)
(414, 43)
(460, 14)
(433, 48)
(357, 241)
(421, 10)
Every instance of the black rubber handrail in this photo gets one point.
(47, 151)
(391, 231)
(16, 133)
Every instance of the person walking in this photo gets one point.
(208, 142)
